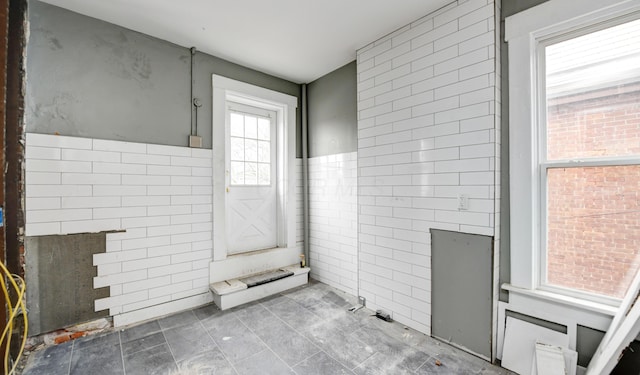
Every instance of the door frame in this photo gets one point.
(229, 90)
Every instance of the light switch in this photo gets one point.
(463, 202)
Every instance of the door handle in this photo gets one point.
(227, 189)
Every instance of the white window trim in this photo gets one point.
(522, 32)
(226, 89)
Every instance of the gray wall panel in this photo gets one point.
(461, 289)
(333, 120)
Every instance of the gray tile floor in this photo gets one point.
(303, 331)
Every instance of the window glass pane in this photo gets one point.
(236, 125)
(250, 127)
(237, 173)
(251, 173)
(237, 148)
(593, 228)
(264, 152)
(264, 174)
(250, 150)
(593, 94)
(264, 129)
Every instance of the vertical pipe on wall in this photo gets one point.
(192, 52)
(305, 174)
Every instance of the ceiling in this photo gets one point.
(298, 40)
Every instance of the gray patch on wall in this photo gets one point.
(333, 114)
(60, 272)
(461, 289)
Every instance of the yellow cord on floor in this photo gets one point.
(13, 313)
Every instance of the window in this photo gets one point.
(591, 167)
(574, 89)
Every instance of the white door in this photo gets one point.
(251, 193)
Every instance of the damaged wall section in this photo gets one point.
(60, 272)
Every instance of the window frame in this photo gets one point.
(527, 33)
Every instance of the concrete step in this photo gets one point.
(235, 292)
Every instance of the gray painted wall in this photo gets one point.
(509, 8)
(332, 116)
(90, 78)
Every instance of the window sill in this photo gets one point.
(564, 300)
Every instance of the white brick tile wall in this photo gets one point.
(159, 196)
(423, 140)
(333, 220)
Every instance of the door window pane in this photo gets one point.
(264, 129)
(250, 173)
(264, 152)
(250, 149)
(264, 174)
(237, 173)
(237, 148)
(236, 125)
(250, 127)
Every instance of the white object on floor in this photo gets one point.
(570, 361)
(549, 360)
(519, 344)
(228, 299)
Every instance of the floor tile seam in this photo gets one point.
(73, 345)
(179, 325)
(141, 337)
(218, 346)
(168, 346)
(431, 356)
(312, 343)
(363, 343)
(267, 345)
(342, 307)
(311, 356)
(401, 366)
(279, 295)
(296, 302)
(292, 328)
(308, 358)
(303, 335)
(124, 370)
(145, 349)
(362, 363)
